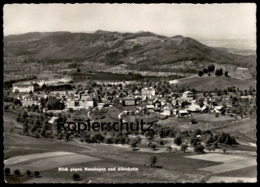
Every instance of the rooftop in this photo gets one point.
(23, 84)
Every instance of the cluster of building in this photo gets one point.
(144, 100)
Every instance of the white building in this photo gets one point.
(77, 105)
(23, 87)
(188, 94)
(148, 92)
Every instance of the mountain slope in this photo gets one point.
(142, 48)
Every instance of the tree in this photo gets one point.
(17, 172)
(152, 146)
(133, 142)
(211, 68)
(178, 140)
(200, 73)
(205, 70)
(6, 107)
(184, 147)
(194, 141)
(199, 149)
(153, 161)
(200, 101)
(215, 144)
(7, 171)
(226, 73)
(16, 91)
(197, 132)
(28, 173)
(76, 177)
(169, 148)
(219, 72)
(161, 142)
(149, 134)
(99, 137)
(54, 104)
(209, 141)
(109, 141)
(36, 174)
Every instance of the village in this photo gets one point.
(134, 98)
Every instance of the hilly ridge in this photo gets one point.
(113, 48)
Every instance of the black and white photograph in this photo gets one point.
(127, 93)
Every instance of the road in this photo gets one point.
(89, 116)
(119, 115)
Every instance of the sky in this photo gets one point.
(203, 21)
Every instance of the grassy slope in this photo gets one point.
(174, 168)
(244, 129)
(209, 83)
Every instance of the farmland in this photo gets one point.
(244, 129)
(175, 166)
(211, 82)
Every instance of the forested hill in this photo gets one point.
(113, 48)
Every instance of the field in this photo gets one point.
(171, 167)
(243, 129)
(209, 83)
(37, 162)
(232, 169)
(104, 155)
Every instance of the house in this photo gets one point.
(122, 94)
(198, 136)
(175, 102)
(175, 112)
(218, 109)
(61, 93)
(28, 102)
(136, 92)
(70, 103)
(23, 87)
(85, 97)
(183, 113)
(188, 95)
(148, 92)
(129, 101)
(79, 104)
(205, 109)
(194, 108)
(138, 100)
(86, 104)
(55, 112)
(166, 111)
(168, 105)
(137, 111)
(157, 103)
(100, 105)
(53, 119)
(249, 97)
(150, 108)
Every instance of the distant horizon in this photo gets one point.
(199, 21)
